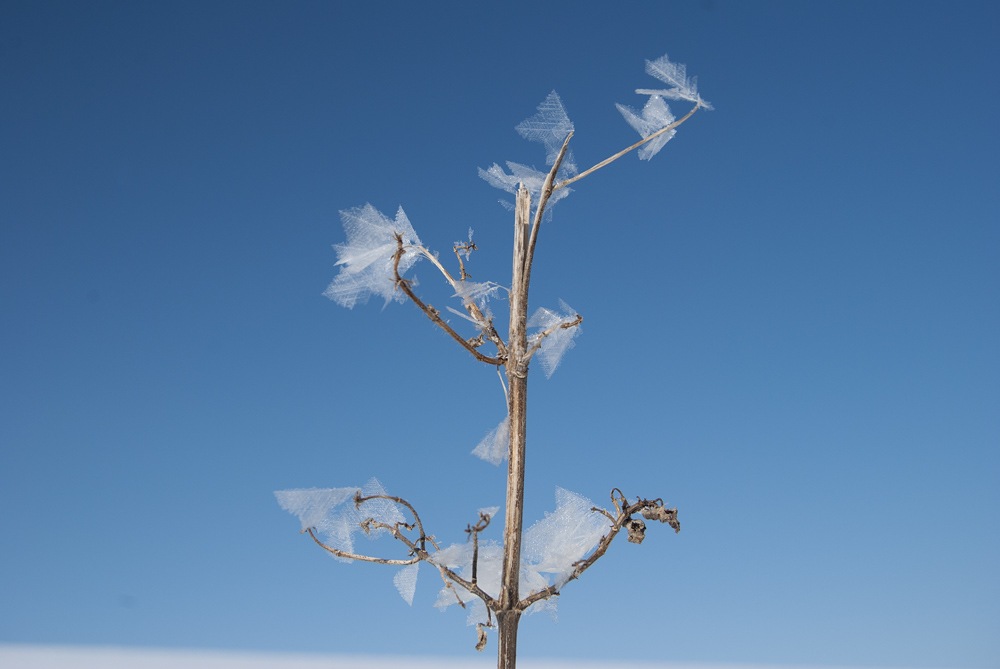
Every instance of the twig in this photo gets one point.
(545, 333)
(546, 193)
(359, 500)
(474, 311)
(431, 312)
(473, 531)
(617, 523)
(607, 161)
(470, 246)
(362, 558)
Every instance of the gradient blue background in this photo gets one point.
(791, 321)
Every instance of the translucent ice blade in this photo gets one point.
(406, 582)
(494, 446)
(367, 258)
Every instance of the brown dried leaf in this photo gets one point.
(664, 515)
(636, 530)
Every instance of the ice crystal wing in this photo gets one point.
(313, 506)
(494, 446)
(328, 510)
(496, 177)
(674, 74)
(458, 557)
(566, 535)
(405, 581)
(332, 513)
(655, 116)
(532, 179)
(559, 340)
(550, 126)
(477, 292)
(366, 259)
(490, 511)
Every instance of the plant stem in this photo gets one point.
(517, 382)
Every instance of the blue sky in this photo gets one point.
(791, 322)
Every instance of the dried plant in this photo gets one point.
(496, 583)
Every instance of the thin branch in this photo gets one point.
(474, 311)
(458, 248)
(563, 184)
(431, 312)
(624, 516)
(359, 500)
(362, 558)
(543, 199)
(451, 587)
(604, 513)
(472, 588)
(473, 531)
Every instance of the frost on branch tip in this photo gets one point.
(549, 126)
(366, 260)
(532, 179)
(332, 514)
(674, 74)
(559, 340)
(477, 293)
(656, 115)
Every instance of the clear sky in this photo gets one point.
(791, 321)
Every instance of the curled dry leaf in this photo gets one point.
(664, 515)
(636, 530)
(481, 643)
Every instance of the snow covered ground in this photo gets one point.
(111, 657)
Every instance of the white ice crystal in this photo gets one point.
(481, 324)
(478, 292)
(558, 341)
(331, 512)
(654, 116)
(490, 511)
(366, 260)
(406, 582)
(548, 551)
(549, 126)
(532, 179)
(458, 558)
(494, 446)
(566, 535)
(674, 74)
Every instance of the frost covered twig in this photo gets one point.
(476, 314)
(473, 531)
(431, 312)
(467, 248)
(355, 556)
(608, 161)
(540, 337)
(360, 499)
(547, 190)
(649, 509)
